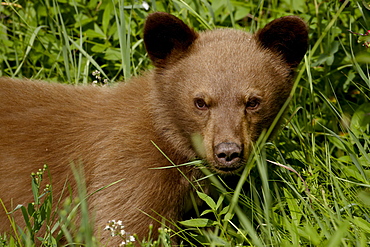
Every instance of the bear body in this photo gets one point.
(224, 86)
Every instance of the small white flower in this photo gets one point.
(145, 5)
(116, 228)
(131, 239)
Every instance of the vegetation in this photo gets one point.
(308, 187)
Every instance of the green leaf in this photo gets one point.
(98, 48)
(207, 212)
(94, 34)
(228, 216)
(241, 12)
(363, 57)
(340, 234)
(108, 10)
(225, 210)
(26, 218)
(360, 119)
(364, 197)
(219, 201)
(363, 224)
(296, 5)
(210, 202)
(352, 171)
(112, 54)
(337, 142)
(310, 233)
(294, 209)
(198, 222)
(31, 209)
(35, 191)
(16, 208)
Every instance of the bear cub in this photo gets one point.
(221, 87)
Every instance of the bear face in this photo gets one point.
(223, 86)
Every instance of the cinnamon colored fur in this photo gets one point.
(225, 86)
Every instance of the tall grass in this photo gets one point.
(307, 187)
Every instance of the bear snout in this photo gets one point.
(228, 156)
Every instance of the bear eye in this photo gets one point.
(253, 104)
(200, 104)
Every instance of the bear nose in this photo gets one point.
(228, 153)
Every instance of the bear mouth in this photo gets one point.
(225, 169)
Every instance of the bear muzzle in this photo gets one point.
(228, 157)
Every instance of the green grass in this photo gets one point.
(308, 187)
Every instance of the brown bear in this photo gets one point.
(223, 86)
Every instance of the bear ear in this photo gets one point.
(287, 36)
(166, 35)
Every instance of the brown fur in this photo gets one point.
(225, 86)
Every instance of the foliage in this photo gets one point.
(325, 141)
